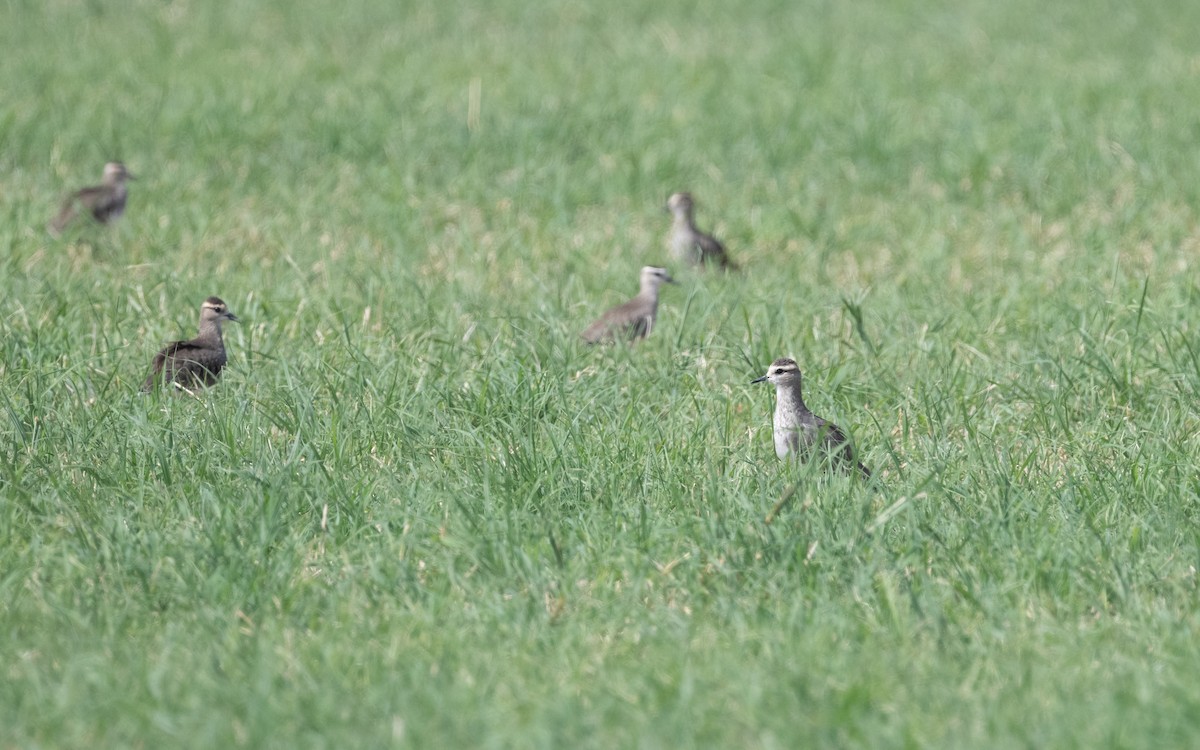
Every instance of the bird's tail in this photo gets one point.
(60, 222)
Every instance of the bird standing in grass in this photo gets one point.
(798, 432)
(198, 362)
(689, 244)
(105, 202)
(635, 319)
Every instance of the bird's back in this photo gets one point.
(188, 363)
(634, 318)
(712, 251)
(810, 436)
(103, 202)
(695, 247)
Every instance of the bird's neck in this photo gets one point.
(210, 330)
(684, 220)
(790, 399)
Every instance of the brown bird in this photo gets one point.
(635, 319)
(198, 362)
(689, 244)
(798, 432)
(105, 202)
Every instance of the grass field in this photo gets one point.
(419, 512)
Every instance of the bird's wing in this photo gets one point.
(709, 244)
(596, 332)
(712, 249)
(840, 446)
(167, 360)
(640, 327)
(607, 324)
(93, 196)
(101, 200)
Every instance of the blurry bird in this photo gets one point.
(689, 244)
(798, 432)
(635, 319)
(198, 362)
(105, 202)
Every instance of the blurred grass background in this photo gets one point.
(418, 512)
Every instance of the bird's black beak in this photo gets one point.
(759, 380)
(231, 316)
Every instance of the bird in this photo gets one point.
(198, 362)
(105, 202)
(689, 244)
(797, 430)
(634, 319)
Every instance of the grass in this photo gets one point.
(417, 511)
